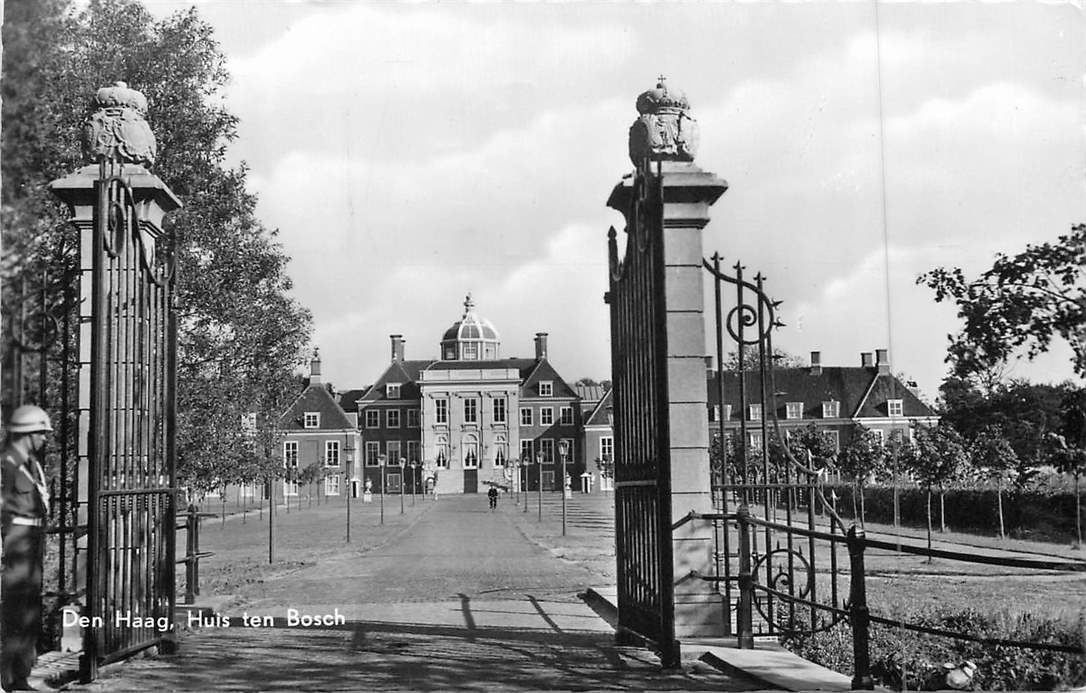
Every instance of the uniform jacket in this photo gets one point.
(22, 486)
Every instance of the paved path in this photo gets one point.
(461, 600)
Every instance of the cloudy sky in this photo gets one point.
(411, 153)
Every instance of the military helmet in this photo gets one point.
(29, 419)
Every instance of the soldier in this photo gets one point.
(24, 504)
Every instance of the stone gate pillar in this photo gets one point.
(666, 135)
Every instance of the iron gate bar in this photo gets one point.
(642, 464)
(132, 487)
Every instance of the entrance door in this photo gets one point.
(471, 481)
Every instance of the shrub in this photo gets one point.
(903, 659)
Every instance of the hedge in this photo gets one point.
(1045, 515)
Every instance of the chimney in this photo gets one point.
(397, 347)
(540, 346)
(882, 361)
(315, 368)
(865, 359)
(816, 363)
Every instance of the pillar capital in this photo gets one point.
(689, 191)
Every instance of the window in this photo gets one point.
(412, 451)
(373, 418)
(392, 449)
(526, 450)
(499, 410)
(727, 412)
(500, 448)
(546, 446)
(895, 407)
(879, 435)
(413, 418)
(441, 411)
(290, 488)
(450, 353)
(373, 449)
(546, 416)
(546, 388)
(831, 409)
(312, 420)
(471, 410)
(392, 418)
(714, 412)
(754, 439)
(525, 416)
(471, 452)
(607, 448)
(331, 453)
(834, 439)
(442, 454)
(471, 351)
(565, 416)
(548, 480)
(331, 485)
(793, 410)
(290, 454)
(392, 390)
(754, 412)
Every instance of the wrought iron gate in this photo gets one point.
(642, 457)
(132, 491)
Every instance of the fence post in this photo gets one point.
(745, 608)
(190, 554)
(858, 614)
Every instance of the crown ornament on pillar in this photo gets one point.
(116, 129)
(664, 130)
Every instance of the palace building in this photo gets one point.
(473, 418)
(462, 421)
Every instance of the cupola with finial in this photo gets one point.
(471, 338)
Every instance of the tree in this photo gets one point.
(1066, 450)
(1022, 301)
(240, 333)
(781, 359)
(935, 459)
(862, 457)
(994, 459)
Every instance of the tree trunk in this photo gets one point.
(942, 511)
(1078, 511)
(929, 524)
(863, 510)
(855, 510)
(999, 505)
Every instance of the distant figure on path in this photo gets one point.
(492, 494)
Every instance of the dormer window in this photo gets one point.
(546, 388)
(392, 390)
(793, 410)
(831, 409)
(311, 419)
(895, 407)
(754, 412)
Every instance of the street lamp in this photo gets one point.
(403, 464)
(539, 463)
(349, 488)
(562, 449)
(414, 480)
(514, 479)
(381, 465)
(526, 465)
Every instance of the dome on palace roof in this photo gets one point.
(472, 337)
